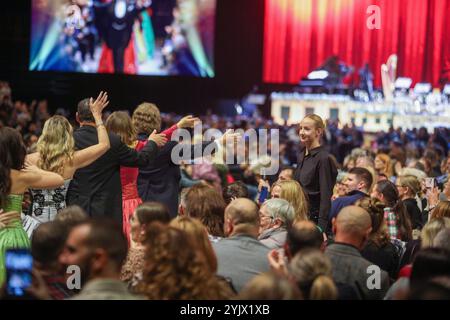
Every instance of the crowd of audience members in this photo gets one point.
(390, 209)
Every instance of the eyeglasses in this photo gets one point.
(261, 216)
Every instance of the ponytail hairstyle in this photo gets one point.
(12, 156)
(392, 200)
(379, 234)
(311, 270)
(119, 122)
(412, 183)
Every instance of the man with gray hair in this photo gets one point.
(352, 228)
(241, 256)
(275, 216)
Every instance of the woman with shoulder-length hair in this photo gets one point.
(199, 235)
(205, 203)
(383, 165)
(292, 191)
(15, 179)
(56, 153)
(316, 171)
(120, 123)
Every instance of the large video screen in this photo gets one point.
(143, 37)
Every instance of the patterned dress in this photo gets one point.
(13, 236)
(46, 205)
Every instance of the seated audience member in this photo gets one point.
(276, 216)
(199, 235)
(408, 188)
(437, 288)
(429, 263)
(270, 286)
(235, 190)
(143, 216)
(359, 183)
(340, 189)
(99, 248)
(72, 216)
(383, 165)
(379, 249)
(175, 269)
(425, 240)
(241, 256)
(312, 271)
(398, 221)
(206, 204)
(431, 230)
(292, 192)
(352, 228)
(445, 195)
(303, 235)
(442, 210)
(47, 243)
(286, 174)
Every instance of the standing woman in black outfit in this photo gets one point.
(316, 171)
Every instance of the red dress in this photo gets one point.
(130, 195)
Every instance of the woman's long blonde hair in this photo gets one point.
(292, 191)
(56, 145)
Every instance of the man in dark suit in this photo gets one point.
(97, 187)
(352, 228)
(160, 180)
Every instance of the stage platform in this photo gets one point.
(371, 116)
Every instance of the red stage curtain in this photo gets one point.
(301, 34)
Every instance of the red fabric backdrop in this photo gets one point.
(301, 34)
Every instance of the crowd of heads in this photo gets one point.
(181, 257)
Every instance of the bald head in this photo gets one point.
(303, 235)
(241, 215)
(352, 225)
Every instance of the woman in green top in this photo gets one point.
(15, 179)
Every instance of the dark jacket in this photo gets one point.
(350, 268)
(97, 187)
(386, 257)
(414, 213)
(341, 202)
(317, 174)
(160, 180)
